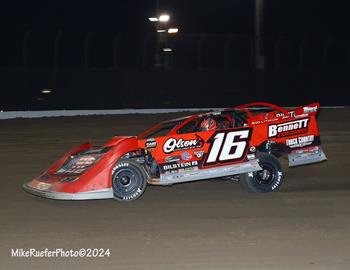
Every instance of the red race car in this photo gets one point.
(241, 142)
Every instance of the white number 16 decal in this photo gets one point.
(228, 146)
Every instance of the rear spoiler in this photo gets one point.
(312, 108)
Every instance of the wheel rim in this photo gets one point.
(126, 182)
(266, 176)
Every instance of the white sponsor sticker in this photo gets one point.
(300, 141)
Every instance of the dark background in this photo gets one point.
(101, 54)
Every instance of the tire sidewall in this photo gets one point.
(138, 171)
(265, 160)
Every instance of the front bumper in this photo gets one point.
(91, 195)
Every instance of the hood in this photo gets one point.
(118, 139)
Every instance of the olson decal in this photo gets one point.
(291, 128)
(228, 146)
(172, 144)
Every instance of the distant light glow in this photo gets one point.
(153, 19)
(46, 91)
(164, 18)
(167, 49)
(160, 30)
(173, 30)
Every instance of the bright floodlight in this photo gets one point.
(46, 91)
(153, 19)
(173, 30)
(167, 49)
(164, 18)
(160, 30)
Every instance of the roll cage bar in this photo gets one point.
(187, 119)
(245, 107)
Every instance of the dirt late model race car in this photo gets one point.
(241, 143)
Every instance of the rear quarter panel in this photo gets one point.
(293, 131)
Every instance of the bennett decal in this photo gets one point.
(300, 141)
(172, 145)
(228, 146)
(151, 144)
(288, 128)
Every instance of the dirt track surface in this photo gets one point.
(200, 225)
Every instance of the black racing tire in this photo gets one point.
(129, 180)
(267, 180)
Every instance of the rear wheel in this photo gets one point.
(268, 179)
(129, 180)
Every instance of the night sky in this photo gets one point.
(306, 48)
(221, 16)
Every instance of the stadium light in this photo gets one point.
(153, 19)
(164, 18)
(173, 30)
(160, 30)
(46, 91)
(167, 49)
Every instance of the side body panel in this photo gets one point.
(296, 134)
(202, 155)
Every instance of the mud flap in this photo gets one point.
(306, 156)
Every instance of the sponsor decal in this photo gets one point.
(264, 121)
(312, 150)
(250, 156)
(43, 186)
(172, 144)
(186, 156)
(178, 166)
(151, 144)
(300, 141)
(228, 146)
(172, 158)
(198, 154)
(290, 113)
(287, 129)
(310, 109)
(188, 169)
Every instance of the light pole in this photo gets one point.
(259, 24)
(159, 22)
(161, 38)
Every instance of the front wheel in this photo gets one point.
(268, 179)
(129, 180)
